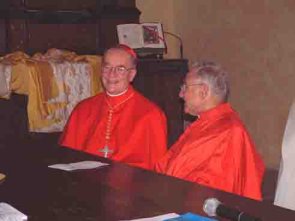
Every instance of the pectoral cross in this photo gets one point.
(106, 151)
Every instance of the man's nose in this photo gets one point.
(181, 93)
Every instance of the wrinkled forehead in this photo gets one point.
(117, 57)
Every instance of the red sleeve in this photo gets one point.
(234, 166)
(72, 135)
(158, 137)
(250, 167)
(162, 164)
(222, 159)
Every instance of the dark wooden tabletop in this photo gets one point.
(114, 192)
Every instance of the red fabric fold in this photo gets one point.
(217, 151)
(138, 129)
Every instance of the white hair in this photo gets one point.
(215, 76)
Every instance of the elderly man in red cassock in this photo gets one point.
(118, 123)
(216, 149)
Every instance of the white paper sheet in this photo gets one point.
(8, 213)
(157, 218)
(83, 165)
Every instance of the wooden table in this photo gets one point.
(113, 192)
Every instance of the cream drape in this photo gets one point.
(285, 192)
(54, 82)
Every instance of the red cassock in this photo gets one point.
(135, 132)
(217, 151)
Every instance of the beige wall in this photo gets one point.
(254, 40)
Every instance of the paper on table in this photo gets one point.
(79, 165)
(8, 213)
(156, 218)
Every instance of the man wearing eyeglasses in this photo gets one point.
(215, 150)
(118, 123)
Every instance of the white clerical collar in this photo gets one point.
(116, 95)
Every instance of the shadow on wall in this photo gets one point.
(269, 185)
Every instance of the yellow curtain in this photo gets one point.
(34, 76)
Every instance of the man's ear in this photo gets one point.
(132, 74)
(204, 91)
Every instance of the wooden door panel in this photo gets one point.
(84, 26)
(61, 4)
(81, 38)
(2, 36)
(159, 80)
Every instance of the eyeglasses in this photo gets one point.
(117, 69)
(184, 86)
